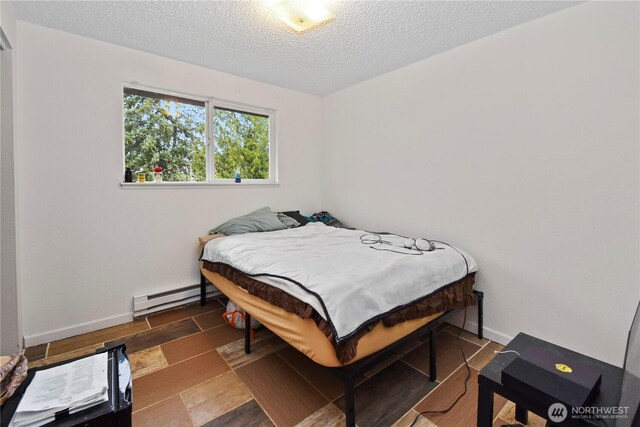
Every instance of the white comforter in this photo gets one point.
(345, 281)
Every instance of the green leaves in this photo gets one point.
(172, 135)
(164, 133)
(242, 143)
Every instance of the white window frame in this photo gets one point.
(209, 104)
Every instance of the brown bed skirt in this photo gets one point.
(455, 295)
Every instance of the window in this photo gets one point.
(241, 142)
(197, 140)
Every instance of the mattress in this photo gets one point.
(303, 334)
(350, 282)
(457, 295)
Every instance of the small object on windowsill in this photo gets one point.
(128, 175)
(141, 177)
(238, 177)
(157, 174)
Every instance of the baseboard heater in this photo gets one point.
(147, 304)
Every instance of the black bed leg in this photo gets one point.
(432, 356)
(203, 290)
(480, 299)
(349, 402)
(247, 333)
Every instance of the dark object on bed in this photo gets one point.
(297, 216)
(326, 218)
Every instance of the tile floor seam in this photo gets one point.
(94, 343)
(252, 353)
(211, 379)
(472, 342)
(458, 367)
(265, 412)
(68, 353)
(486, 344)
(164, 357)
(421, 415)
(179, 338)
(199, 354)
(179, 320)
(442, 382)
(438, 386)
(253, 397)
(189, 388)
(497, 416)
(246, 401)
(417, 369)
(404, 415)
(149, 406)
(200, 326)
(187, 409)
(296, 372)
(193, 318)
(151, 372)
(307, 380)
(467, 340)
(231, 367)
(473, 355)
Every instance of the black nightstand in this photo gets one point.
(116, 412)
(489, 382)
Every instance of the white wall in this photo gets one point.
(86, 246)
(9, 296)
(522, 148)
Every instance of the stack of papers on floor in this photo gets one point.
(73, 386)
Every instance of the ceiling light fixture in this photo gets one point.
(300, 15)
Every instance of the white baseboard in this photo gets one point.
(148, 304)
(94, 325)
(57, 334)
(488, 333)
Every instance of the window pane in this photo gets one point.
(163, 131)
(242, 144)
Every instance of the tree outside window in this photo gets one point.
(171, 132)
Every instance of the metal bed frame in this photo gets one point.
(349, 373)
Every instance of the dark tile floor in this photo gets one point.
(189, 369)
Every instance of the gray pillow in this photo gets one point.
(261, 220)
(287, 220)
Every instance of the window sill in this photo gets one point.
(174, 185)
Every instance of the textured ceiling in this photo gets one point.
(366, 39)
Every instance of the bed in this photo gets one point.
(271, 291)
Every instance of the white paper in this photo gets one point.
(74, 386)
